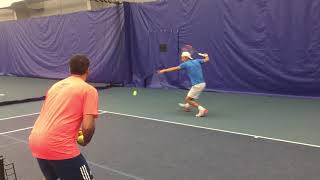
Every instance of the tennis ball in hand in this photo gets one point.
(134, 93)
(80, 140)
(80, 133)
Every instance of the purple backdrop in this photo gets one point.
(41, 47)
(257, 46)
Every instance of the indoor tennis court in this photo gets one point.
(259, 66)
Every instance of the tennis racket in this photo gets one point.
(189, 48)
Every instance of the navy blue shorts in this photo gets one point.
(68, 169)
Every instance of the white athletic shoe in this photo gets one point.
(185, 107)
(202, 112)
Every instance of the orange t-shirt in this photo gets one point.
(54, 133)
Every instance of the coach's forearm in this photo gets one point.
(87, 134)
(88, 128)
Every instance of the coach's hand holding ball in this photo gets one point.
(80, 139)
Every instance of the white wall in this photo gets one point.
(6, 14)
(55, 7)
(38, 8)
(141, 1)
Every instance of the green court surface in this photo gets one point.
(284, 118)
(148, 136)
(291, 119)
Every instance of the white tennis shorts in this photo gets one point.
(196, 90)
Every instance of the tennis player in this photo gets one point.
(69, 104)
(195, 74)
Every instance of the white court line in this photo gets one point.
(176, 123)
(115, 171)
(213, 129)
(13, 117)
(25, 115)
(16, 139)
(23, 129)
(17, 130)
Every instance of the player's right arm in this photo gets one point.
(90, 114)
(88, 127)
(176, 68)
(206, 57)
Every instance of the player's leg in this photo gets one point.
(75, 168)
(193, 94)
(47, 169)
(189, 100)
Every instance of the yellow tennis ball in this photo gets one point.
(80, 140)
(134, 93)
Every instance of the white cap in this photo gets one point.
(186, 54)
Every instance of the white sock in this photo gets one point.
(201, 108)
